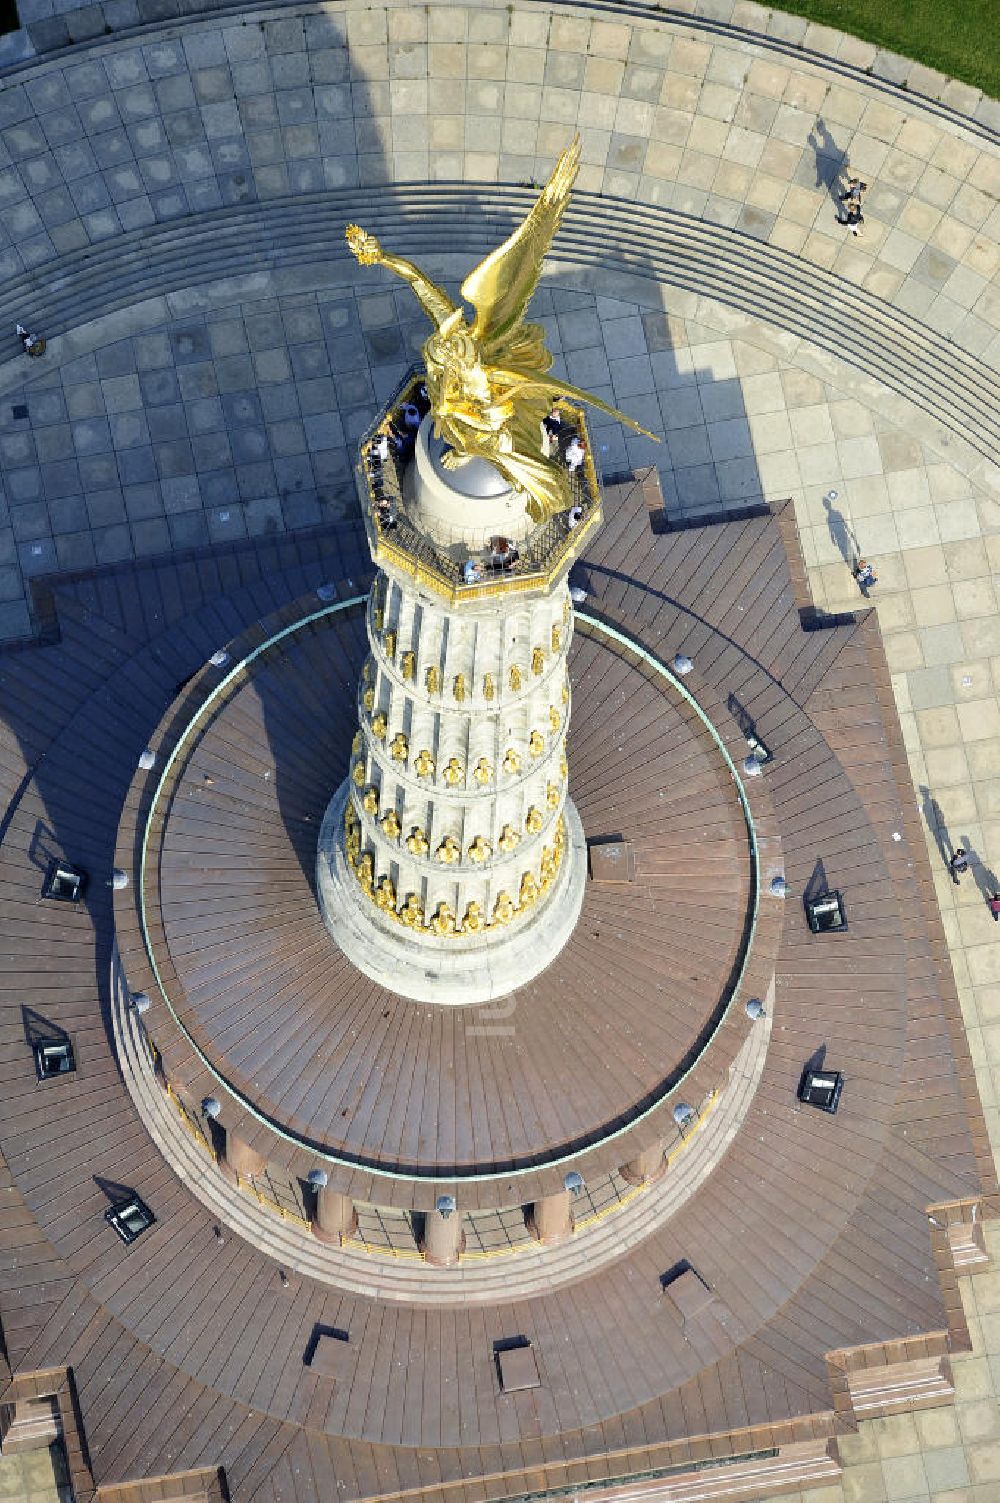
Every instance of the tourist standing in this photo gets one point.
(851, 214)
(575, 452)
(865, 575)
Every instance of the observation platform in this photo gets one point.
(400, 543)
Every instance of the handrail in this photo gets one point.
(402, 546)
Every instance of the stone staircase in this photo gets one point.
(627, 240)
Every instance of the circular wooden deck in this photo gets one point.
(341, 1065)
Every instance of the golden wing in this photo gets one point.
(500, 287)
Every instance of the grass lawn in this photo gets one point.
(960, 37)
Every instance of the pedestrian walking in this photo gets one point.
(380, 450)
(411, 416)
(851, 197)
(853, 192)
(993, 904)
(865, 575)
(958, 864)
(33, 345)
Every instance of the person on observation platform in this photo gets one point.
(503, 553)
(575, 453)
(552, 429)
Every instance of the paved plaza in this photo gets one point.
(949, 1455)
(212, 362)
(34, 1477)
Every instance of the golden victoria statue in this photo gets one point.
(486, 380)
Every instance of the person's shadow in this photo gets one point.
(936, 823)
(831, 161)
(842, 533)
(983, 876)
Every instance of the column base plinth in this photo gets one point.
(459, 972)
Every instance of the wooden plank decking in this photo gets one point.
(188, 1354)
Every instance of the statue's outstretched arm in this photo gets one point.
(433, 299)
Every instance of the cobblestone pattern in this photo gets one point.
(53, 24)
(126, 133)
(234, 423)
(244, 418)
(200, 427)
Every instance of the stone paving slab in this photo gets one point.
(241, 417)
(35, 1477)
(140, 130)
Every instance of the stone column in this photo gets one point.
(458, 780)
(550, 1219)
(238, 1160)
(453, 839)
(444, 1239)
(335, 1218)
(647, 1167)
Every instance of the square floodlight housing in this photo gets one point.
(64, 883)
(129, 1218)
(53, 1057)
(821, 1089)
(825, 913)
